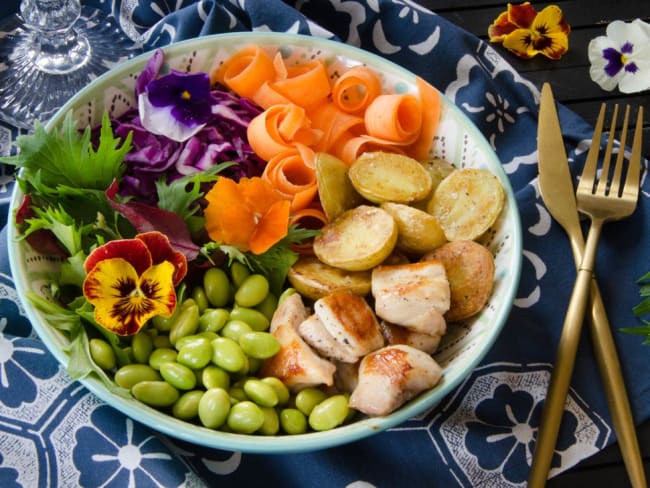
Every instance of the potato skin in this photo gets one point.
(470, 271)
(418, 231)
(335, 189)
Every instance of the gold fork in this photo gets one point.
(603, 199)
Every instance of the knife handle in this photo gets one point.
(614, 385)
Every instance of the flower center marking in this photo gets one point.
(129, 457)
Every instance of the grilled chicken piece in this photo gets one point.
(396, 334)
(292, 311)
(296, 364)
(391, 376)
(343, 327)
(413, 295)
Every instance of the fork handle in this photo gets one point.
(564, 362)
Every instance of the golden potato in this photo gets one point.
(417, 231)
(438, 169)
(359, 239)
(314, 279)
(470, 271)
(467, 203)
(386, 177)
(335, 189)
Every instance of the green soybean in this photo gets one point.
(213, 319)
(102, 354)
(141, 346)
(238, 273)
(329, 413)
(259, 345)
(195, 355)
(187, 405)
(307, 398)
(187, 322)
(178, 375)
(131, 374)
(162, 355)
(261, 393)
(164, 324)
(280, 388)
(214, 377)
(254, 318)
(234, 328)
(191, 340)
(214, 407)
(268, 306)
(252, 291)
(271, 424)
(198, 295)
(293, 421)
(216, 285)
(237, 394)
(155, 393)
(286, 293)
(245, 417)
(161, 341)
(228, 355)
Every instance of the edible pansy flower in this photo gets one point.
(526, 32)
(622, 57)
(176, 105)
(248, 214)
(130, 281)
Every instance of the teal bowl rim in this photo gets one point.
(280, 444)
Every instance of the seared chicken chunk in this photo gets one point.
(413, 295)
(391, 376)
(296, 364)
(396, 334)
(343, 327)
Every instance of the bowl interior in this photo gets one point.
(458, 141)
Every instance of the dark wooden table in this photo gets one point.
(574, 88)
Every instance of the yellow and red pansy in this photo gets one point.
(129, 281)
(526, 32)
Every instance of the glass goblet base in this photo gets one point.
(35, 85)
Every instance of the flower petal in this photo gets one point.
(161, 121)
(501, 27)
(162, 250)
(551, 19)
(272, 227)
(522, 15)
(228, 219)
(133, 251)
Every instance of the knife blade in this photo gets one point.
(556, 188)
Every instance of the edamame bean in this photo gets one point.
(280, 388)
(259, 345)
(164, 324)
(102, 354)
(186, 324)
(237, 394)
(228, 355)
(252, 291)
(141, 345)
(307, 398)
(131, 374)
(293, 421)
(261, 393)
(268, 306)
(187, 405)
(213, 319)
(162, 355)
(234, 328)
(271, 424)
(155, 393)
(195, 355)
(198, 295)
(217, 287)
(285, 294)
(214, 407)
(192, 339)
(214, 377)
(178, 375)
(238, 273)
(254, 318)
(245, 417)
(161, 341)
(329, 413)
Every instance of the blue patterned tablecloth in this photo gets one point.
(53, 432)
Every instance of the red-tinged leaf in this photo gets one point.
(42, 241)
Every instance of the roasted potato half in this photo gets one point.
(467, 203)
(386, 177)
(335, 189)
(314, 279)
(470, 271)
(438, 169)
(418, 232)
(359, 239)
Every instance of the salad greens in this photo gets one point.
(642, 309)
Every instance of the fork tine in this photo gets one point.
(618, 168)
(604, 173)
(588, 176)
(631, 187)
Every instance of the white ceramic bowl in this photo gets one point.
(463, 346)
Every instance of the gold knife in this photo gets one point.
(556, 188)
